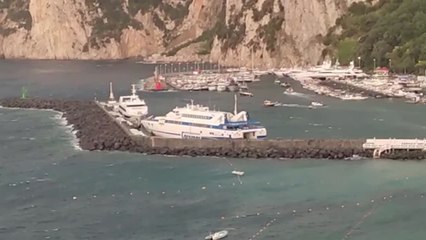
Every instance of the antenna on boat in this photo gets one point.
(111, 94)
(133, 89)
(235, 104)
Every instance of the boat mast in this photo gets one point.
(252, 60)
(235, 104)
(111, 94)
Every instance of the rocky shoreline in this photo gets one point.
(352, 89)
(96, 130)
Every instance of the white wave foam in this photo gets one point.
(292, 105)
(69, 128)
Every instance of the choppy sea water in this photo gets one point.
(51, 190)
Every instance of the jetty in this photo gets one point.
(97, 129)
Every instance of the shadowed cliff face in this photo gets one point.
(279, 32)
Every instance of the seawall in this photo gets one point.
(97, 130)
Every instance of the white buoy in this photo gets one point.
(372, 200)
(309, 210)
(74, 198)
(357, 203)
(204, 188)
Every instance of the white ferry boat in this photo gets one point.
(200, 122)
(132, 106)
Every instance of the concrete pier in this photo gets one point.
(98, 130)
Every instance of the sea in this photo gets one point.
(51, 189)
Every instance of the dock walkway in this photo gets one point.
(385, 145)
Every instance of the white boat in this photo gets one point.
(353, 97)
(132, 106)
(268, 103)
(233, 87)
(212, 87)
(289, 91)
(285, 85)
(317, 104)
(238, 173)
(200, 122)
(217, 235)
(277, 81)
(245, 93)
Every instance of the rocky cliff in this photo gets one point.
(278, 32)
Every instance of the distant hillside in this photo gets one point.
(280, 32)
(388, 33)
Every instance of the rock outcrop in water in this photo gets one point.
(279, 31)
(97, 131)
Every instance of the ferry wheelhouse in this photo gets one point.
(200, 122)
(132, 106)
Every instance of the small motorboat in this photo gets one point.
(285, 85)
(289, 91)
(217, 235)
(277, 81)
(238, 173)
(268, 103)
(245, 93)
(316, 104)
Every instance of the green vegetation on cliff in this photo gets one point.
(389, 33)
(17, 12)
(115, 18)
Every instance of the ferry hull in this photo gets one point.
(168, 130)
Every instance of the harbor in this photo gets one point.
(110, 132)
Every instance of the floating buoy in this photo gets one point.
(342, 206)
(372, 201)
(294, 211)
(163, 193)
(309, 210)
(147, 193)
(74, 198)
(357, 203)
(204, 188)
(327, 208)
(131, 194)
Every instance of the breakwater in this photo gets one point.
(97, 130)
(352, 89)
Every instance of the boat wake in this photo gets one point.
(297, 94)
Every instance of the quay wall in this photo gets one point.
(97, 130)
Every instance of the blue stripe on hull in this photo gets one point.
(222, 138)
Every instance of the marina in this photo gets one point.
(115, 172)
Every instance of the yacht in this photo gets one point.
(200, 122)
(212, 87)
(233, 87)
(132, 106)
